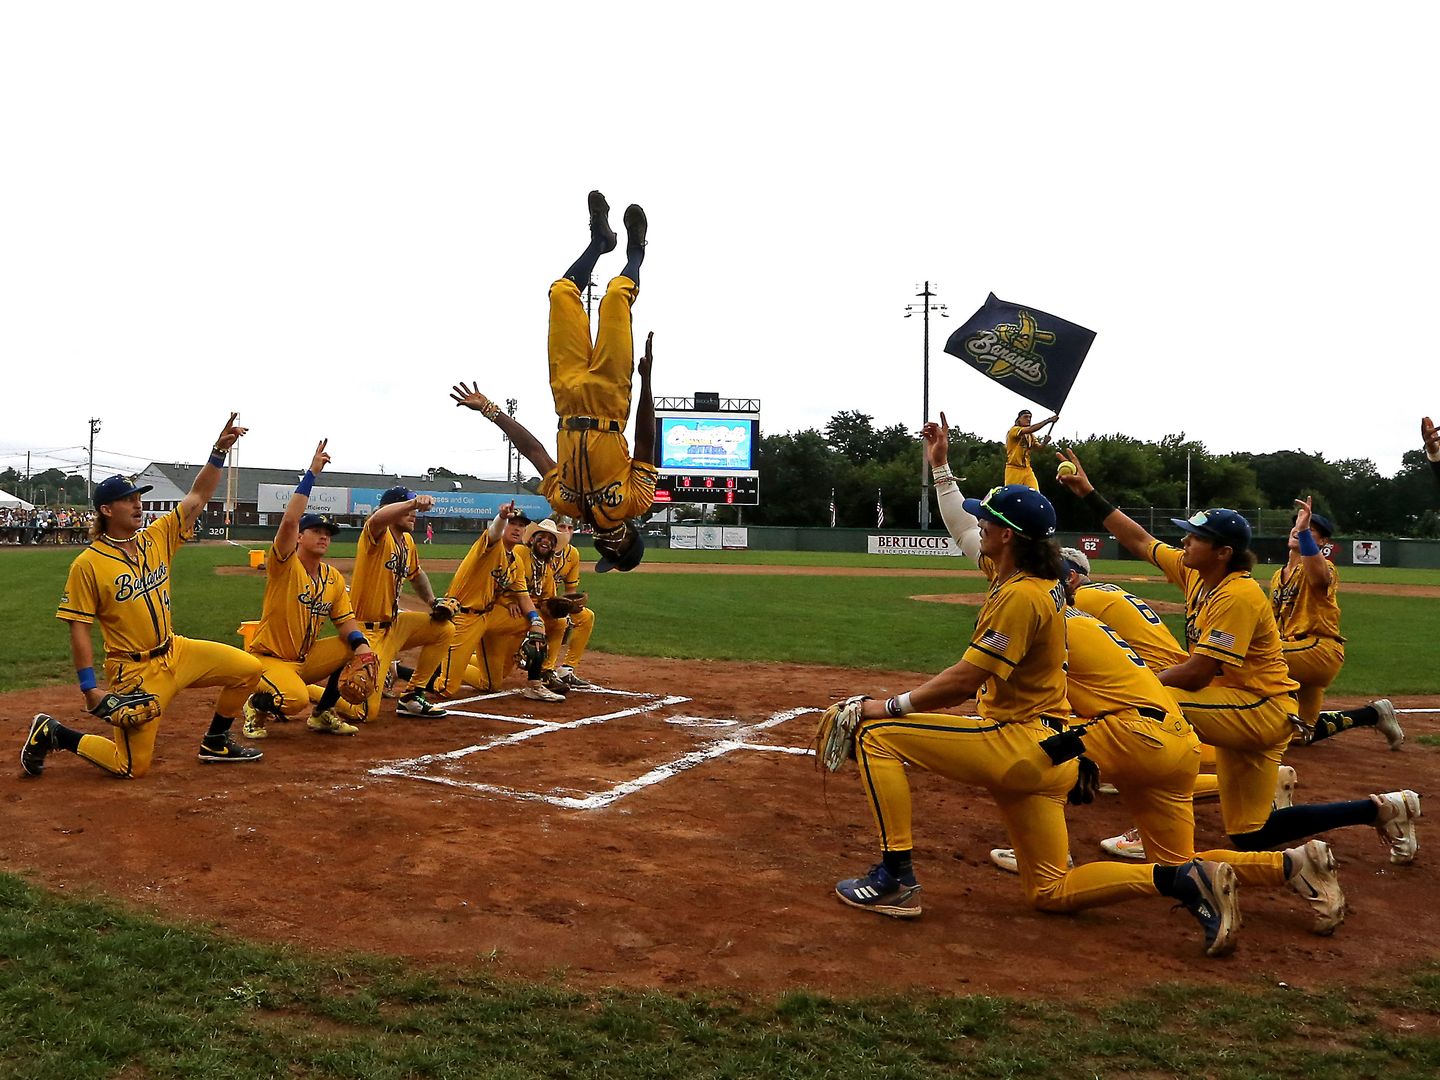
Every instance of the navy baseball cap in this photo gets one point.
(1323, 525)
(399, 493)
(1016, 507)
(319, 521)
(1219, 525)
(626, 560)
(117, 487)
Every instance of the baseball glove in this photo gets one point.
(359, 677)
(533, 649)
(127, 711)
(444, 609)
(835, 736)
(561, 607)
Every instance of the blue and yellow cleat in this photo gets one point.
(882, 892)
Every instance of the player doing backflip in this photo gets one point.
(593, 477)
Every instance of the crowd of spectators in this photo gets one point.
(43, 525)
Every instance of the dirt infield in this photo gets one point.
(644, 841)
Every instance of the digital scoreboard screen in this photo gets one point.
(707, 457)
(713, 488)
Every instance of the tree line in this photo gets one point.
(859, 461)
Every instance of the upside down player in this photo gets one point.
(1234, 687)
(597, 480)
(122, 579)
(301, 592)
(1014, 666)
(1135, 733)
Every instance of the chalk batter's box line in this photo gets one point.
(409, 770)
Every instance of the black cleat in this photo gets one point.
(600, 220)
(224, 748)
(39, 742)
(635, 226)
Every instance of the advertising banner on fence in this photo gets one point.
(911, 545)
(732, 538)
(1365, 553)
(457, 504)
(273, 498)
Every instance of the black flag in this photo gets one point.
(1024, 349)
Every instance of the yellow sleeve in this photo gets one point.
(1003, 632)
(1224, 628)
(80, 602)
(1169, 560)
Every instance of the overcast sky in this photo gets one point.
(322, 215)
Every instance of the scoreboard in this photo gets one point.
(724, 489)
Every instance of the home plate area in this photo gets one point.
(624, 741)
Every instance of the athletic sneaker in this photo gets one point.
(575, 682)
(882, 892)
(1107, 788)
(416, 703)
(1213, 898)
(1004, 858)
(1312, 875)
(535, 690)
(254, 725)
(1396, 824)
(224, 749)
(554, 683)
(1285, 783)
(329, 723)
(1127, 845)
(38, 742)
(1388, 725)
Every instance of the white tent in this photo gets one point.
(14, 502)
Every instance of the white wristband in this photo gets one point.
(903, 703)
(942, 473)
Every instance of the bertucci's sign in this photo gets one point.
(911, 545)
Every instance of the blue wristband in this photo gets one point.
(355, 639)
(306, 483)
(1307, 542)
(86, 675)
(535, 617)
(218, 460)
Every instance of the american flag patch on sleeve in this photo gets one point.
(1219, 637)
(993, 639)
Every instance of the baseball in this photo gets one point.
(1066, 468)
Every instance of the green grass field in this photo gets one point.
(846, 621)
(90, 990)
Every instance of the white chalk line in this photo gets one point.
(597, 800)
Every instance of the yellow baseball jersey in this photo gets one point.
(1020, 639)
(595, 479)
(381, 569)
(1017, 448)
(297, 605)
(482, 572)
(567, 569)
(532, 575)
(1303, 609)
(1104, 674)
(1134, 621)
(130, 598)
(1231, 623)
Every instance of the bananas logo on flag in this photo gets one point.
(1033, 353)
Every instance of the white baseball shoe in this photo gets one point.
(1312, 875)
(1285, 784)
(1004, 858)
(1388, 725)
(1399, 810)
(536, 691)
(1127, 845)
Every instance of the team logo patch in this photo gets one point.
(993, 639)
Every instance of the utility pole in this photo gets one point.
(29, 489)
(589, 294)
(90, 478)
(926, 294)
(512, 455)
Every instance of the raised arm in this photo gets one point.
(388, 515)
(1431, 438)
(1317, 567)
(645, 409)
(534, 451)
(288, 534)
(962, 526)
(208, 479)
(1033, 428)
(1130, 533)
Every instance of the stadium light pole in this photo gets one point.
(90, 476)
(510, 450)
(926, 294)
